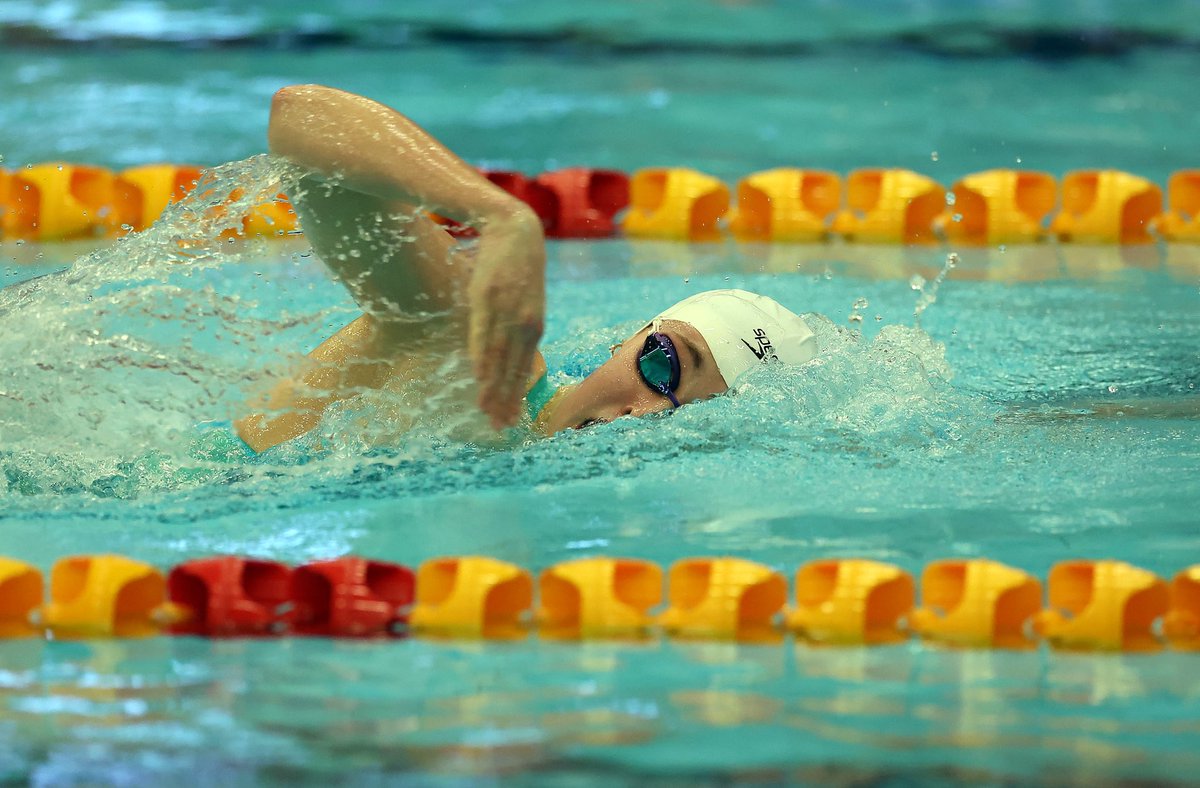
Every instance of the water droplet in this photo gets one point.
(950, 198)
(1018, 160)
(933, 155)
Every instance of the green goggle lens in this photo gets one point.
(655, 367)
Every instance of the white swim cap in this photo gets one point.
(744, 329)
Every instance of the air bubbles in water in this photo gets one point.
(933, 155)
(859, 304)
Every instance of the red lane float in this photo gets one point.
(351, 597)
(582, 202)
(230, 596)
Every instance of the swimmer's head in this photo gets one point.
(694, 350)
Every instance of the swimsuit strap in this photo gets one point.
(539, 394)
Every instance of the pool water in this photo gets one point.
(1027, 404)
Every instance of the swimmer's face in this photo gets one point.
(616, 389)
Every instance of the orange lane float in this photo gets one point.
(59, 201)
(675, 203)
(723, 599)
(5, 201)
(106, 596)
(1181, 625)
(1182, 221)
(275, 218)
(1107, 206)
(1000, 207)
(472, 597)
(852, 601)
(20, 594)
(786, 204)
(598, 598)
(582, 202)
(351, 597)
(141, 194)
(976, 603)
(229, 596)
(1103, 606)
(890, 206)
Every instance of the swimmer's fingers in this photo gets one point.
(507, 296)
(503, 352)
(522, 348)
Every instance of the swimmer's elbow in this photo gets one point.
(292, 109)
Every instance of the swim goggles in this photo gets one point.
(658, 365)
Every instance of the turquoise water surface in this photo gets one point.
(1036, 404)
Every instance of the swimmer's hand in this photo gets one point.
(507, 305)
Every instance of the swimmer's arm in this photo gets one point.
(338, 368)
(369, 148)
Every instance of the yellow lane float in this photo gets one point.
(1103, 606)
(675, 203)
(890, 206)
(58, 201)
(1182, 221)
(598, 598)
(1000, 207)
(786, 204)
(142, 193)
(723, 599)
(473, 597)
(1107, 206)
(976, 603)
(107, 596)
(1181, 625)
(852, 601)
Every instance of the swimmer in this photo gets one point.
(374, 178)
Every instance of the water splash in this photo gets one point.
(118, 356)
(929, 290)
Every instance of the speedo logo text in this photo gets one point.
(764, 349)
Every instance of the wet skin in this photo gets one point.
(616, 389)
